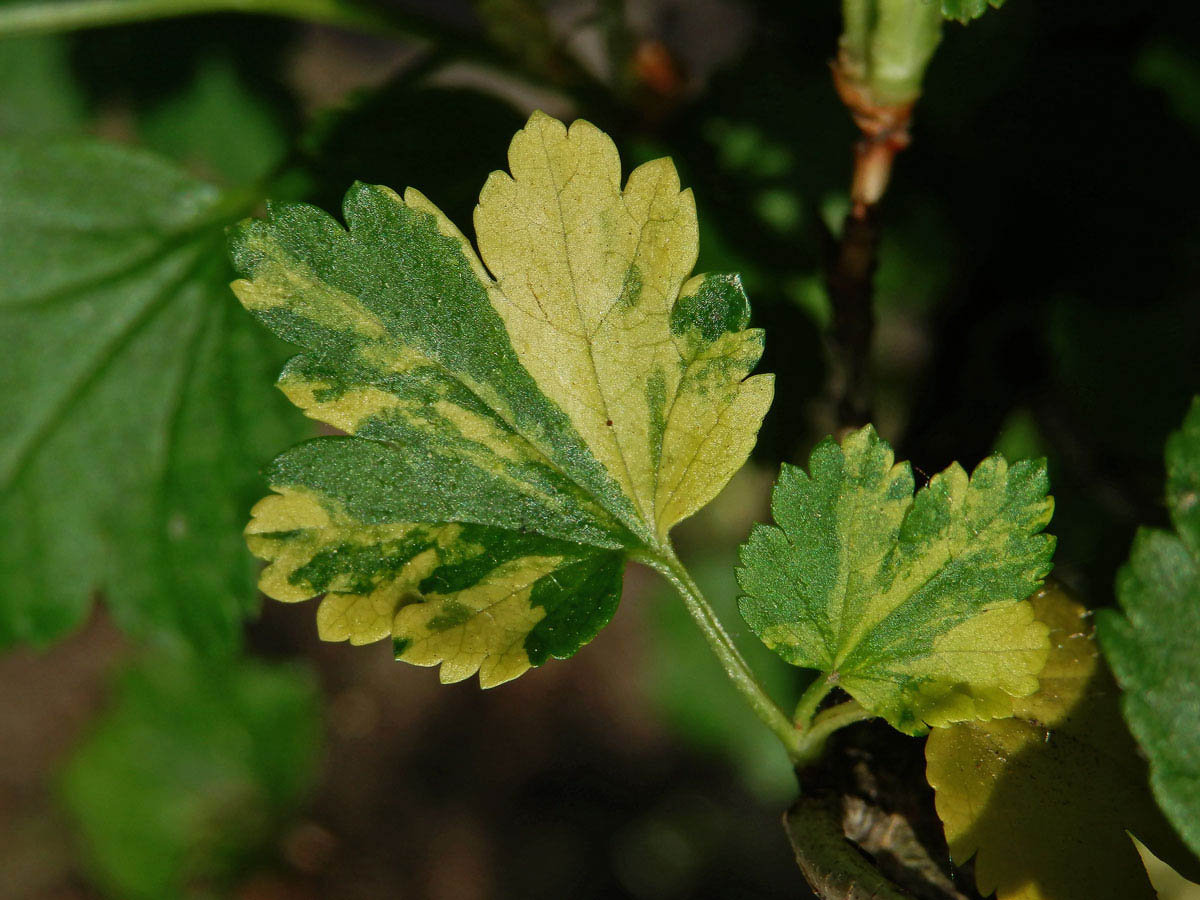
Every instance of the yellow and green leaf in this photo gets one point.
(1046, 800)
(520, 419)
(913, 605)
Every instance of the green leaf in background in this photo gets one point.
(37, 93)
(1045, 801)
(190, 774)
(518, 429)
(914, 606)
(217, 126)
(1176, 73)
(134, 397)
(1152, 643)
(966, 10)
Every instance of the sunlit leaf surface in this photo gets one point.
(913, 605)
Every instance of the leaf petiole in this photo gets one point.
(805, 739)
(810, 700)
(826, 723)
(722, 645)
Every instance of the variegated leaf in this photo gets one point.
(521, 419)
(910, 604)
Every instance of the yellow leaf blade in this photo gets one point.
(1045, 800)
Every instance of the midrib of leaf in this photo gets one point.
(666, 504)
(852, 577)
(229, 205)
(587, 341)
(155, 253)
(105, 355)
(206, 317)
(646, 518)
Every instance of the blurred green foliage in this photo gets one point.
(189, 774)
(217, 126)
(138, 401)
(38, 95)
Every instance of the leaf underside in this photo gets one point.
(913, 605)
(132, 396)
(519, 419)
(1044, 800)
(1152, 643)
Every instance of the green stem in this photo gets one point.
(810, 700)
(906, 34)
(854, 45)
(826, 723)
(731, 660)
(69, 15)
(886, 45)
(835, 868)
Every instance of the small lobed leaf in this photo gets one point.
(1045, 801)
(913, 605)
(520, 419)
(1151, 643)
(966, 10)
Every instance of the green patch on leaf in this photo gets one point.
(1045, 801)
(133, 396)
(1152, 643)
(519, 419)
(913, 605)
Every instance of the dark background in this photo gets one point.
(1037, 293)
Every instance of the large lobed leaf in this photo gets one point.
(521, 419)
(1152, 643)
(132, 397)
(1045, 800)
(913, 605)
